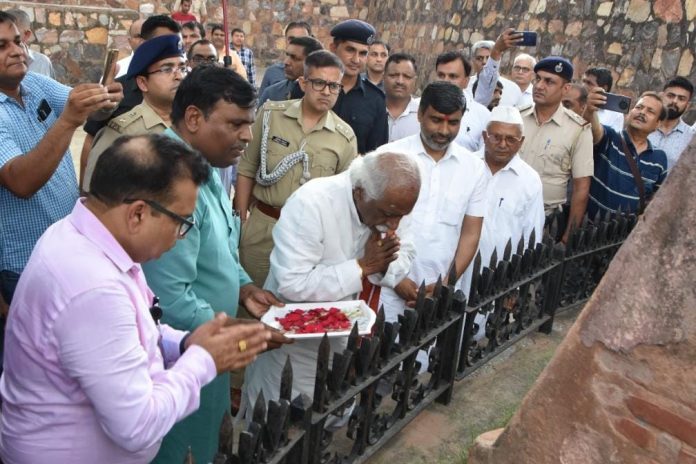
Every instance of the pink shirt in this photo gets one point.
(84, 379)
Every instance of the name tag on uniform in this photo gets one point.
(283, 142)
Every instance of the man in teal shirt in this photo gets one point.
(213, 112)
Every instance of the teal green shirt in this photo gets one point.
(200, 276)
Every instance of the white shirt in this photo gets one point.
(123, 65)
(487, 79)
(450, 189)
(526, 98)
(39, 63)
(674, 142)
(514, 207)
(406, 123)
(613, 119)
(474, 122)
(317, 242)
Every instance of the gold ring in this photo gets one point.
(379, 243)
(242, 346)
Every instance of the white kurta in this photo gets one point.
(317, 239)
(406, 123)
(450, 189)
(514, 207)
(526, 98)
(474, 122)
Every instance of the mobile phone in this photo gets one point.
(618, 103)
(529, 38)
(111, 57)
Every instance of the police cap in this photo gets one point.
(556, 65)
(355, 31)
(153, 50)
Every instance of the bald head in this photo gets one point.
(134, 38)
(385, 188)
(377, 172)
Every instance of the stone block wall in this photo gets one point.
(643, 41)
(76, 37)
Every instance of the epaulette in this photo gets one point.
(120, 122)
(277, 105)
(344, 129)
(367, 82)
(576, 118)
(526, 108)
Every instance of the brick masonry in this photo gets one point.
(643, 41)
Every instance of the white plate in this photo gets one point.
(365, 320)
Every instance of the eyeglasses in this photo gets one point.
(509, 139)
(185, 224)
(169, 69)
(199, 59)
(521, 69)
(320, 84)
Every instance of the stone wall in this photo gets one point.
(621, 387)
(643, 41)
(76, 37)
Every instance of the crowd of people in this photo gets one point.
(132, 291)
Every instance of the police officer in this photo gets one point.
(158, 66)
(361, 103)
(294, 141)
(558, 142)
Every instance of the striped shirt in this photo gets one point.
(674, 142)
(613, 185)
(22, 221)
(247, 57)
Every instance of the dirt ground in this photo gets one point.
(483, 401)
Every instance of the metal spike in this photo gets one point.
(286, 380)
(520, 246)
(189, 457)
(226, 445)
(494, 260)
(532, 239)
(323, 354)
(353, 338)
(508, 250)
(259, 414)
(420, 299)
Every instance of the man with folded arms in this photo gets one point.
(90, 376)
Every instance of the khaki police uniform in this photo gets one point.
(558, 149)
(330, 146)
(142, 119)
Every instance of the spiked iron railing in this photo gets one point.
(380, 382)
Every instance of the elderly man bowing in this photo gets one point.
(327, 239)
(447, 218)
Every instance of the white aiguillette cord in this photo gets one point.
(265, 178)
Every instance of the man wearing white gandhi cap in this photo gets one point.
(514, 200)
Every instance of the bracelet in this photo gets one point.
(182, 343)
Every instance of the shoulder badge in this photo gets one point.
(120, 122)
(526, 109)
(576, 118)
(276, 105)
(344, 129)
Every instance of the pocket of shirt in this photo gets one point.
(323, 166)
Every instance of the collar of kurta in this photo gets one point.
(294, 110)
(94, 230)
(451, 151)
(513, 165)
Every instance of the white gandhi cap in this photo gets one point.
(506, 114)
